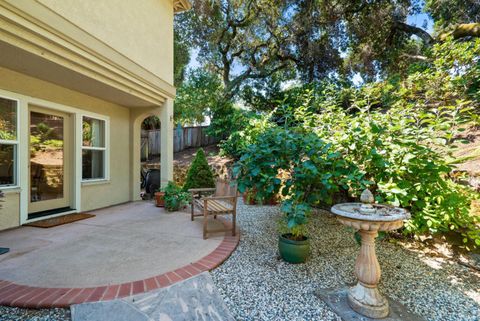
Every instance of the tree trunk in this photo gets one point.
(463, 30)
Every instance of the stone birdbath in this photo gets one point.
(369, 218)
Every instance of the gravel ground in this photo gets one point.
(16, 314)
(257, 285)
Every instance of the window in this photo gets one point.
(93, 149)
(8, 142)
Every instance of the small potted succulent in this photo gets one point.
(293, 244)
(175, 197)
(160, 197)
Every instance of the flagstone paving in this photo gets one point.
(193, 299)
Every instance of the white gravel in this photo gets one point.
(16, 314)
(257, 285)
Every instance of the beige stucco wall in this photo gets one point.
(140, 30)
(118, 189)
(10, 211)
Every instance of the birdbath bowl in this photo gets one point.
(369, 219)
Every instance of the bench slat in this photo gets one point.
(214, 206)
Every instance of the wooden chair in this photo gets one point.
(222, 202)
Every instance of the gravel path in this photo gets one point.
(16, 314)
(257, 285)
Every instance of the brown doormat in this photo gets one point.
(60, 220)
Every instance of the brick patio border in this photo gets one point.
(23, 296)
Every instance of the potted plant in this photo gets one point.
(250, 198)
(293, 244)
(175, 197)
(160, 197)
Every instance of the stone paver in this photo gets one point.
(336, 299)
(193, 299)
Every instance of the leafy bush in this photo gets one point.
(395, 136)
(312, 171)
(236, 144)
(404, 153)
(295, 218)
(199, 174)
(175, 197)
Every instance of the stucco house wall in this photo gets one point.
(140, 30)
(93, 195)
(112, 59)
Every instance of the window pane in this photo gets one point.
(92, 164)
(46, 157)
(8, 119)
(7, 164)
(93, 132)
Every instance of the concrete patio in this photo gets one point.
(124, 250)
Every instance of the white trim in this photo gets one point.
(105, 149)
(77, 156)
(99, 181)
(9, 142)
(94, 148)
(10, 188)
(24, 160)
(16, 142)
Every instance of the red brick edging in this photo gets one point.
(16, 295)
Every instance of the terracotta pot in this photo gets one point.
(160, 199)
(252, 201)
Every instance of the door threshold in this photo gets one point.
(55, 211)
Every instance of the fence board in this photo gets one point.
(183, 138)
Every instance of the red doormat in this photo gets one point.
(60, 220)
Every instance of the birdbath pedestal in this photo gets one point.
(369, 219)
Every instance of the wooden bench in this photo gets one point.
(222, 202)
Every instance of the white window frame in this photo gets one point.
(16, 145)
(105, 149)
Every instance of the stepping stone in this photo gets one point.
(336, 299)
(108, 310)
(193, 299)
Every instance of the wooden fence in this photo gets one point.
(183, 138)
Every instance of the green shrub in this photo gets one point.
(295, 218)
(199, 174)
(175, 197)
(313, 171)
(237, 142)
(395, 136)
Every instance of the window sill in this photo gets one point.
(95, 182)
(10, 189)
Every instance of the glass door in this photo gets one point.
(49, 161)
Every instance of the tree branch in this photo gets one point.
(415, 57)
(462, 31)
(412, 30)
